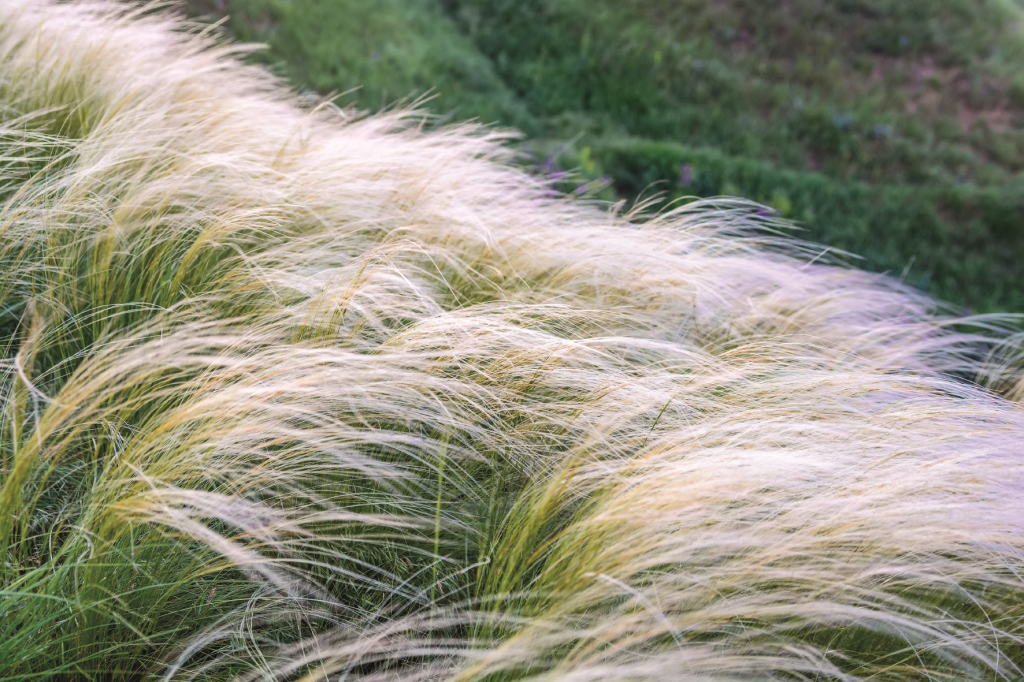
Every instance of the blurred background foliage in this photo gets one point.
(893, 129)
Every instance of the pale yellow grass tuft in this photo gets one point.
(295, 393)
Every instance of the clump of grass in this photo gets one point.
(293, 393)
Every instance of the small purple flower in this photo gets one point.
(765, 212)
(843, 120)
(557, 175)
(881, 131)
(374, 56)
(685, 175)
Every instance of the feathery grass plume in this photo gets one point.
(291, 393)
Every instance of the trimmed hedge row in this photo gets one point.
(958, 242)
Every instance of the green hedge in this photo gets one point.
(965, 242)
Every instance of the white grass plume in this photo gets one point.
(299, 394)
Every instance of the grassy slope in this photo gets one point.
(890, 129)
(375, 53)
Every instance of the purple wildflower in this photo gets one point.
(685, 175)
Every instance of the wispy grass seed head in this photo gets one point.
(295, 393)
